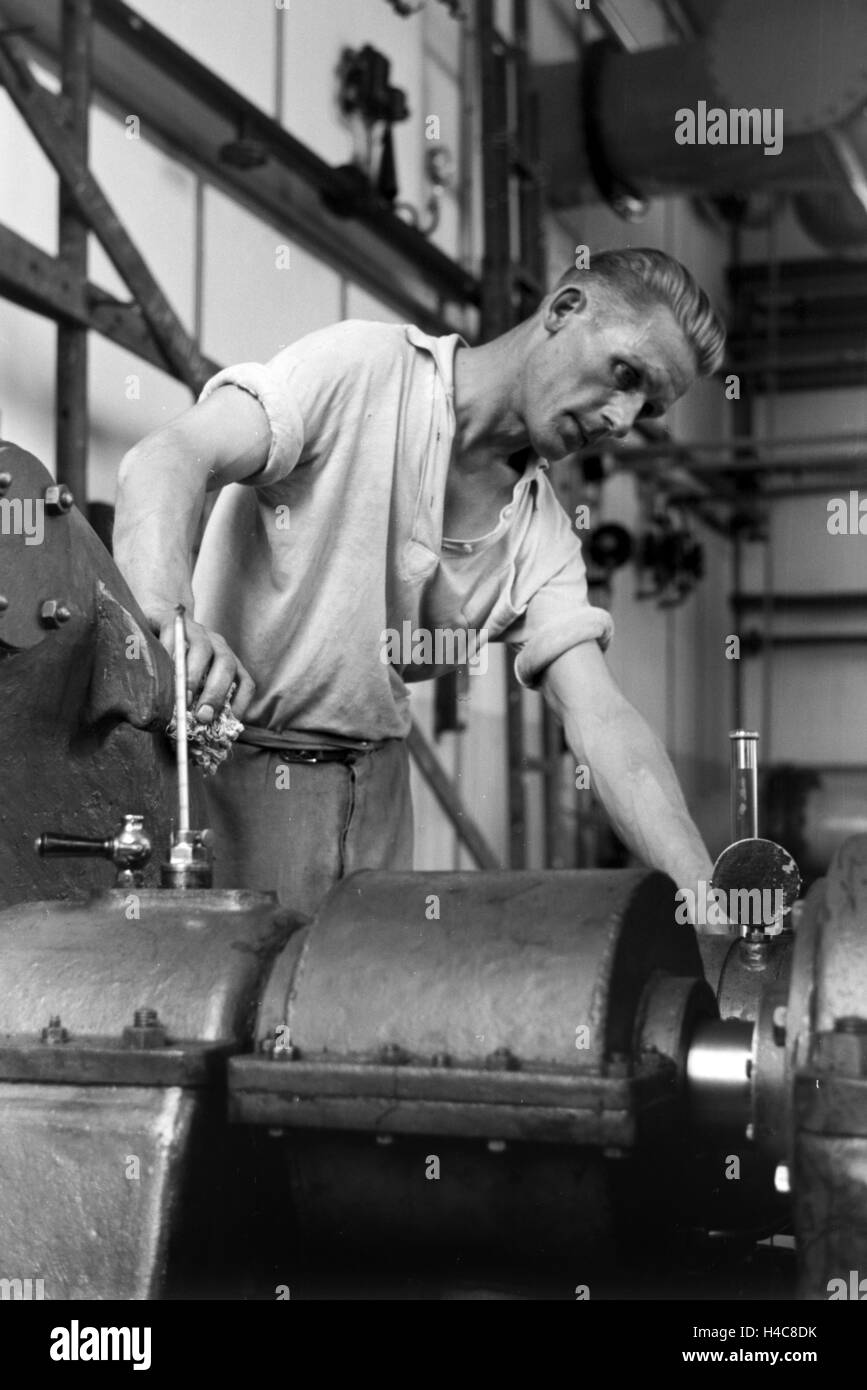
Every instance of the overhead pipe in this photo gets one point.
(609, 126)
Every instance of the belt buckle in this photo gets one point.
(307, 755)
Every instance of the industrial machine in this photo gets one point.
(524, 1083)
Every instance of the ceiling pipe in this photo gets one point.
(608, 126)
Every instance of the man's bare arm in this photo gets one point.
(162, 484)
(629, 768)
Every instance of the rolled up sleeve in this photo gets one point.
(549, 592)
(557, 618)
(282, 411)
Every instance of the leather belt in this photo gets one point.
(294, 749)
(323, 755)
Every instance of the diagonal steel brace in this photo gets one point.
(36, 106)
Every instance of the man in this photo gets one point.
(373, 476)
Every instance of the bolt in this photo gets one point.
(5, 481)
(779, 1021)
(750, 1131)
(496, 1146)
(146, 1032)
(4, 603)
(58, 499)
(54, 613)
(781, 1178)
(501, 1059)
(55, 1032)
(384, 1140)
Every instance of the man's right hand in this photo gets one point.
(212, 668)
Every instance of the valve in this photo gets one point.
(751, 865)
(129, 850)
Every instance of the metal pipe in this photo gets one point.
(833, 599)
(826, 488)
(744, 786)
(753, 445)
(181, 721)
(755, 642)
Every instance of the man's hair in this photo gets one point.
(642, 277)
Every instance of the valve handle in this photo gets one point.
(73, 846)
(129, 850)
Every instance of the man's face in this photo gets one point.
(599, 366)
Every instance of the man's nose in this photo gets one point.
(619, 417)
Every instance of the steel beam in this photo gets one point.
(46, 285)
(194, 114)
(86, 197)
(449, 801)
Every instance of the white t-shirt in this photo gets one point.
(337, 540)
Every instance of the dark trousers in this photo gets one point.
(297, 828)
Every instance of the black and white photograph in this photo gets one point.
(433, 668)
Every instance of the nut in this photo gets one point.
(4, 603)
(55, 1032)
(779, 1021)
(146, 1032)
(58, 499)
(5, 481)
(502, 1059)
(54, 613)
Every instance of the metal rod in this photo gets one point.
(640, 461)
(744, 786)
(181, 720)
(753, 643)
(71, 420)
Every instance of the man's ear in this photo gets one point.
(571, 299)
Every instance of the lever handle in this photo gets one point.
(129, 850)
(73, 846)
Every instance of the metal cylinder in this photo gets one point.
(535, 1023)
(718, 1075)
(548, 967)
(744, 785)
